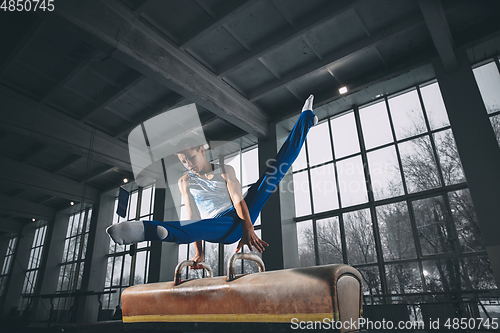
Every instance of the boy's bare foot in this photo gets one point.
(308, 105)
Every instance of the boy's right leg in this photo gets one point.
(131, 232)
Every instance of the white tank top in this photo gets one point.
(211, 196)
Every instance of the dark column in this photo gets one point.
(155, 255)
(477, 147)
(271, 213)
(94, 276)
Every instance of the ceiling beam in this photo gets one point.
(223, 15)
(435, 19)
(46, 199)
(167, 103)
(145, 50)
(21, 45)
(337, 56)
(10, 225)
(83, 63)
(70, 161)
(101, 172)
(140, 6)
(24, 208)
(52, 127)
(276, 40)
(131, 82)
(39, 152)
(31, 178)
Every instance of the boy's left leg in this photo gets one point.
(259, 193)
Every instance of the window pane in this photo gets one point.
(70, 225)
(77, 248)
(301, 193)
(250, 266)
(76, 221)
(495, 123)
(375, 125)
(434, 106)
(419, 165)
(132, 205)
(183, 254)
(300, 162)
(396, 234)
(140, 267)
(126, 270)
(352, 182)
(117, 271)
(80, 224)
(371, 280)
(318, 144)
(466, 221)
(407, 115)
(345, 135)
(329, 242)
(89, 217)
(433, 226)
(443, 275)
(449, 160)
(384, 173)
(109, 271)
(480, 272)
(488, 81)
(257, 221)
(305, 242)
(324, 188)
(229, 250)
(212, 256)
(146, 201)
(250, 170)
(403, 278)
(359, 237)
(84, 250)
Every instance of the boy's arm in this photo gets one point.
(249, 237)
(193, 214)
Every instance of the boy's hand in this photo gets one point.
(199, 257)
(251, 240)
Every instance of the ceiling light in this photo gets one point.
(343, 90)
(71, 203)
(33, 219)
(125, 180)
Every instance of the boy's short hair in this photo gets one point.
(186, 143)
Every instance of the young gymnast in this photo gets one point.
(217, 210)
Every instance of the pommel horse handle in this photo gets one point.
(182, 264)
(248, 256)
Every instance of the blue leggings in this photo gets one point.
(226, 227)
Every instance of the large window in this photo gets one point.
(35, 259)
(7, 263)
(381, 187)
(488, 80)
(75, 248)
(124, 270)
(246, 167)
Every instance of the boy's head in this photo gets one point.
(191, 155)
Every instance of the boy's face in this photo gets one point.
(193, 159)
